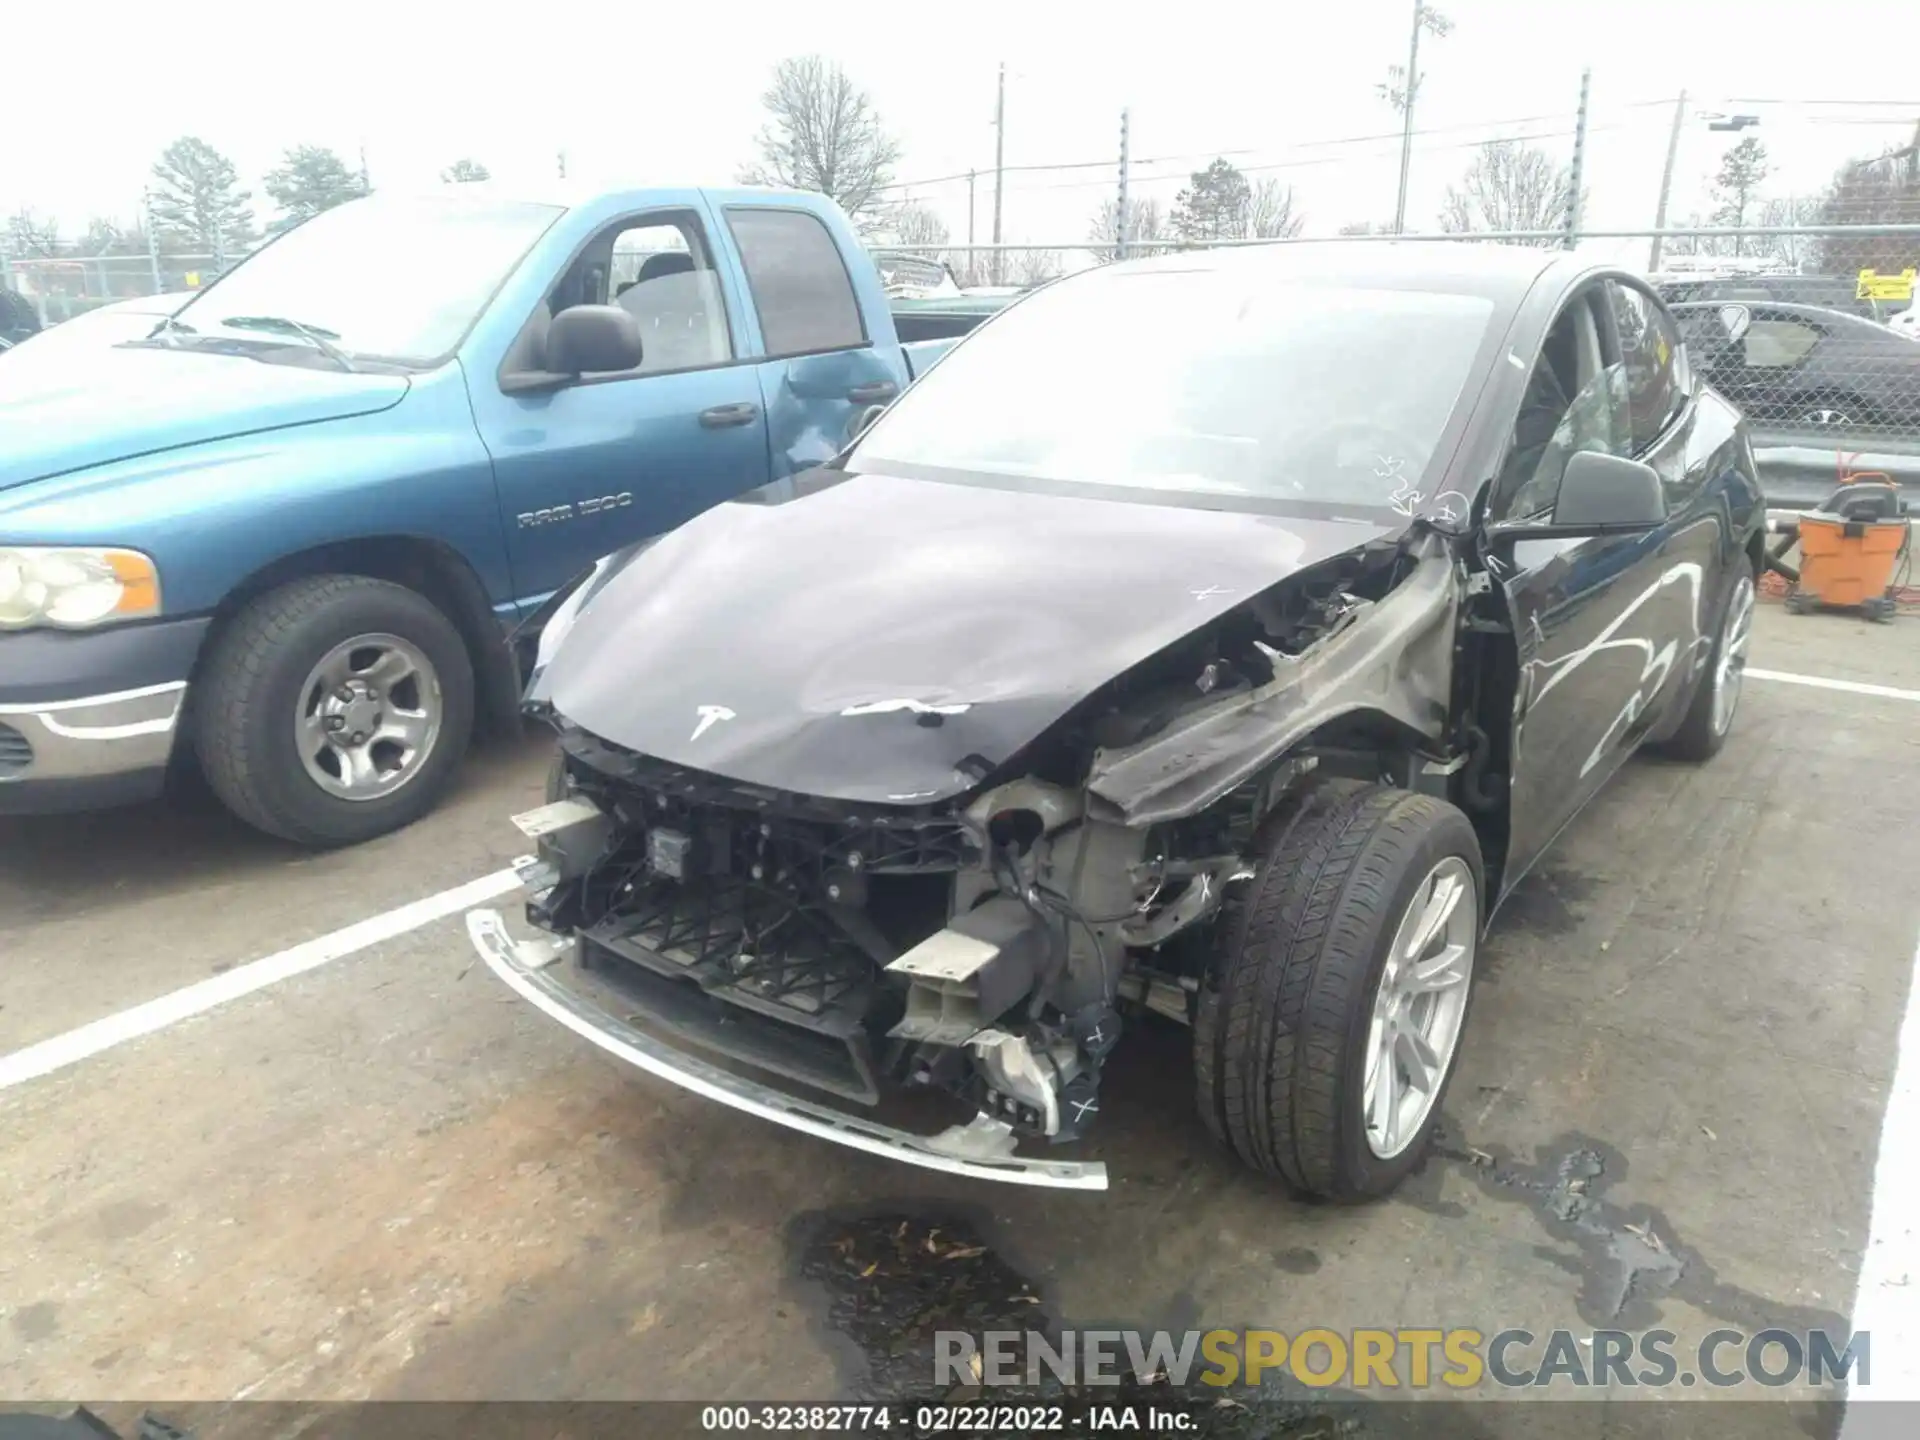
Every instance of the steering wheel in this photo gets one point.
(1370, 464)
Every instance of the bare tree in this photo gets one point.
(1271, 213)
(1509, 186)
(1146, 227)
(1797, 251)
(1034, 267)
(914, 224)
(825, 135)
(30, 233)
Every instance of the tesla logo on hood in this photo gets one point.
(710, 716)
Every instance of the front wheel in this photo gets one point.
(335, 709)
(1327, 1032)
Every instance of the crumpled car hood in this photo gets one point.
(889, 640)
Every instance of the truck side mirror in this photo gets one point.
(593, 339)
(1735, 321)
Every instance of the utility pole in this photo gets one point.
(563, 164)
(1577, 172)
(972, 261)
(1666, 183)
(364, 185)
(153, 241)
(1406, 122)
(1120, 209)
(999, 163)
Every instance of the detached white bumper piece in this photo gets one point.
(982, 1149)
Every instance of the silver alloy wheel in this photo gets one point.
(370, 715)
(1826, 415)
(1730, 667)
(1419, 1006)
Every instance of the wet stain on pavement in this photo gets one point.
(891, 1281)
(124, 1219)
(38, 1321)
(1628, 1258)
(1546, 903)
(1297, 1260)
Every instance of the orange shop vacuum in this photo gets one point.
(1853, 546)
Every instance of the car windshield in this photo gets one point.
(1210, 382)
(387, 278)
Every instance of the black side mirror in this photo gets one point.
(1600, 492)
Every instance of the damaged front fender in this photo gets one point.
(1392, 658)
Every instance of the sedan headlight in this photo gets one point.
(71, 588)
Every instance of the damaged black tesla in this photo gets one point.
(1221, 635)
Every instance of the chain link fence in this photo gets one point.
(62, 287)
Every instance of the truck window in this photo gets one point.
(662, 274)
(799, 282)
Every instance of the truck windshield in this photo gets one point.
(399, 279)
(1212, 382)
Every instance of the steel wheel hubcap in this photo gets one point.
(1419, 1006)
(369, 717)
(1731, 666)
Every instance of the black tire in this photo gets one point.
(251, 693)
(1698, 739)
(1280, 1035)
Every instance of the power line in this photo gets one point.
(1323, 159)
(1256, 150)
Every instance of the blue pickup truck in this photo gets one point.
(301, 532)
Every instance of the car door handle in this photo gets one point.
(722, 417)
(878, 393)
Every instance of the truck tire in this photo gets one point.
(1302, 1002)
(335, 709)
(1716, 695)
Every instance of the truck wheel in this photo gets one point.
(335, 709)
(1709, 716)
(1326, 1034)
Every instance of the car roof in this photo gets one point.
(1503, 272)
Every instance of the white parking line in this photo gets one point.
(1821, 682)
(1887, 1304)
(89, 1040)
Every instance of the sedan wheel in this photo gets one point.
(1327, 1029)
(1730, 663)
(1419, 1006)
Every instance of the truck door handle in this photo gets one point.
(878, 393)
(722, 417)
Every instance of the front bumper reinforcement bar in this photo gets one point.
(980, 1150)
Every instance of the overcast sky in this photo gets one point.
(646, 92)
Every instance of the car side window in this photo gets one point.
(1776, 343)
(799, 281)
(1559, 415)
(1652, 362)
